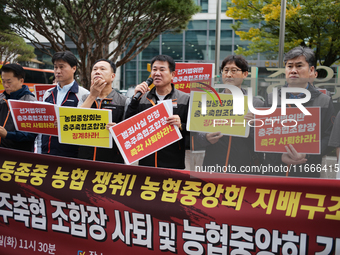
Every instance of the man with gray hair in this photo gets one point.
(299, 67)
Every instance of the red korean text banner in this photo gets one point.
(145, 133)
(55, 205)
(34, 117)
(40, 89)
(275, 131)
(187, 74)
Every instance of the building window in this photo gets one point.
(223, 5)
(196, 44)
(226, 44)
(172, 45)
(245, 26)
(151, 50)
(203, 4)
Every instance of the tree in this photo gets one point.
(14, 49)
(311, 23)
(94, 25)
(6, 20)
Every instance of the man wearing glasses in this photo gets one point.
(224, 150)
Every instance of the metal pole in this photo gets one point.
(218, 37)
(282, 32)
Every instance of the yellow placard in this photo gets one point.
(218, 118)
(82, 126)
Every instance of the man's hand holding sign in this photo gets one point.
(146, 133)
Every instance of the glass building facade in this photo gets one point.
(195, 44)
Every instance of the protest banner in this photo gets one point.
(189, 73)
(34, 117)
(275, 131)
(324, 91)
(54, 205)
(145, 133)
(83, 126)
(40, 89)
(218, 117)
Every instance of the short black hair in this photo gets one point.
(113, 65)
(239, 61)
(16, 69)
(165, 58)
(66, 56)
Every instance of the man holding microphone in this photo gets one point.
(162, 73)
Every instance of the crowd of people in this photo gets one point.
(221, 150)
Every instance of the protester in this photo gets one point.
(102, 96)
(334, 140)
(13, 76)
(162, 72)
(299, 68)
(224, 150)
(67, 92)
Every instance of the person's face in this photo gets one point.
(103, 70)
(63, 72)
(233, 75)
(298, 72)
(11, 83)
(161, 74)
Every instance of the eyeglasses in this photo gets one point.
(233, 70)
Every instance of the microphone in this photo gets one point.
(138, 94)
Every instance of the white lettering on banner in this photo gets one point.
(226, 122)
(137, 229)
(83, 220)
(139, 225)
(238, 101)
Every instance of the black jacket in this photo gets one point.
(116, 103)
(15, 139)
(172, 156)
